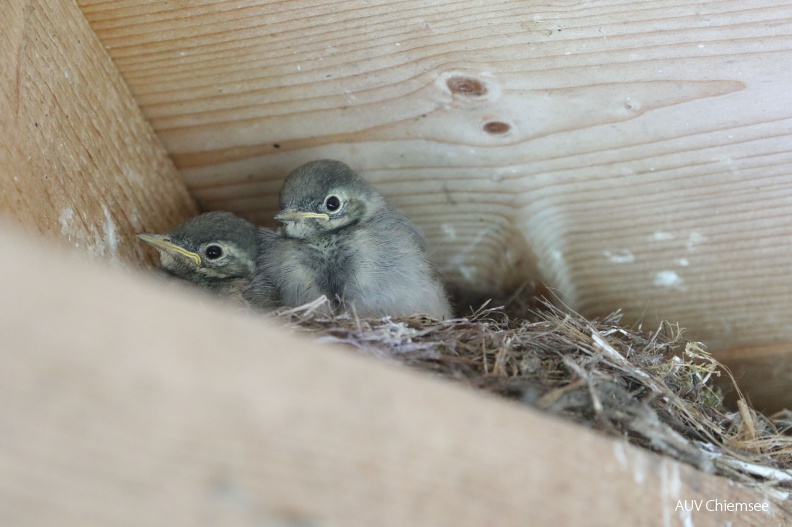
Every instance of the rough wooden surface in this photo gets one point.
(631, 155)
(141, 406)
(79, 161)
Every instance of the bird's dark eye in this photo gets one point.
(332, 203)
(213, 252)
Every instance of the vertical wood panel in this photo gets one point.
(79, 161)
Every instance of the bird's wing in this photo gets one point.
(397, 220)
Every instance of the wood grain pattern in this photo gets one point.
(79, 161)
(630, 155)
(187, 414)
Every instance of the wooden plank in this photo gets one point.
(629, 155)
(765, 370)
(178, 412)
(79, 161)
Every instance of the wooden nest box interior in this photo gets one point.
(624, 156)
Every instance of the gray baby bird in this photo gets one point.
(341, 239)
(218, 251)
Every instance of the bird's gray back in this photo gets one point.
(392, 273)
(287, 266)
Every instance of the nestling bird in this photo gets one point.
(341, 239)
(217, 251)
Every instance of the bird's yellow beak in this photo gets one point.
(162, 243)
(296, 215)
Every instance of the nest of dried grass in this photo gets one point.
(654, 388)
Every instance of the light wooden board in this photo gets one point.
(631, 155)
(77, 159)
(170, 410)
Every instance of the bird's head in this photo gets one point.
(324, 196)
(209, 247)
